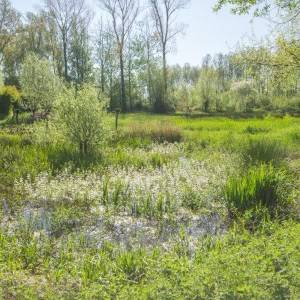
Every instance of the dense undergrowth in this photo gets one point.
(239, 266)
(167, 207)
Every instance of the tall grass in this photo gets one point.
(264, 150)
(158, 132)
(262, 189)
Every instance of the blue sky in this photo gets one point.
(206, 31)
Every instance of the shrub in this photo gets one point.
(240, 98)
(82, 117)
(39, 84)
(9, 99)
(262, 190)
(157, 132)
(258, 150)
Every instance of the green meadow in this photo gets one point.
(165, 207)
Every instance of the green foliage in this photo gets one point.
(1, 78)
(50, 246)
(132, 264)
(206, 89)
(9, 98)
(255, 130)
(261, 8)
(81, 115)
(266, 150)
(225, 267)
(40, 86)
(19, 159)
(262, 189)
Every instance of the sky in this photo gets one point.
(206, 32)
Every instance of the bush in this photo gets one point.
(9, 99)
(240, 98)
(40, 85)
(81, 117)
(258, 150)
(262, 191)
(157, 132)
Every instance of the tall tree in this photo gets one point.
(123, 14)
(80, 52)
(65, 13)
(40, 86)
(148, 45)
(9, 23)
(164, 13)
(107, 59)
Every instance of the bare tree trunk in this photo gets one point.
(111, 89)
(129, 84)
(165, 75)
(102, 76)
(149, 79)
(123, 90)
(65, 57)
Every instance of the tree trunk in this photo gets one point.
(102, 76)
(111, 89)
(65, 56)
(129, 85)
(165, 74)
(149, 79)
(123, 92)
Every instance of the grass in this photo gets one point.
(262, 192)
(161, 210)
(264, 150)
(157, 132)
(239, 265)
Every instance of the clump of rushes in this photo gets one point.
(263, 192)
(262, 150)
(158, 132)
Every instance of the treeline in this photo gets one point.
(125, 57)
(253, 78)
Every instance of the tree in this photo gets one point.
(9, 22)
(164, 17)
(81, 115)
(40, 86)
(206, 88)
(65, 13)
(285, 60)
(9, 100)
(80, 53)
(287, 10)
(107, 59)
(123, 14)
(147, 46)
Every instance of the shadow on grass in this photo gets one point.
(68, 157)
